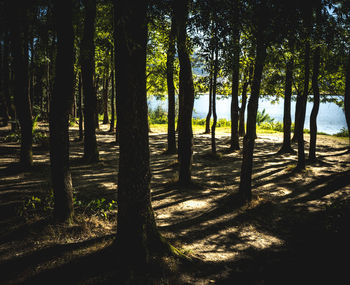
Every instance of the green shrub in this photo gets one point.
(343, 133)
(158, 116)
(262, 117)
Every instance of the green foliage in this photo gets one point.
(343, 133)
(158, 116)
(43, 204)
(274, 126)
(262, 117)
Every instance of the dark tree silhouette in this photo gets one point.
(137, 236)
(87, 51)
(186, 94)
(61, 104)
(18, 15)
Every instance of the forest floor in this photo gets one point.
(295, 231)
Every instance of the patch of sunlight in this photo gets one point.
(230, 243)
(195, 204)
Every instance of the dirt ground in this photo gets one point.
(295, 231)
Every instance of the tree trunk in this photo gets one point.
(21, 94)
(111, 128)
(316, 106)
(137, 236)
(6, 78)
(4, 113)
(186, 95)
(80, 108)
(347, 96)
(171, 88)
(105, 99)
(207, 120)
(315, 88)
(245, 190)
(61, 104)
(234, 142)
(247, 82)
(303, 99)
(287, 121)
(87, 70)
(213, 126)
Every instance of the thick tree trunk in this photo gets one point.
(303, 99)
(287, 121)
(186, 95)
(213, 126)
(234, 142)
(4, 113)
(245, 191)
(6, 78)
(21, 94)
(137, 236)
(171, 88)
(87, 70)
(61, 104)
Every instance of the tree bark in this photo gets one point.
(303, 99)
(20, 68)
(171, 88)
(247, 82)
(80, 108)
(234, 142)
(137, 236)
(186, 95)
(61, 104)
(87, 70)
(105, 99)
(207, 120)
(347, 97)
(111, 128)
(287, 121)
(215, 74)
(245, 191)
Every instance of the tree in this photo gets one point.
(307, 18)
(137, 236)
(171, 88)
(18, 15)
(315, 85)
(186, 94)
(87, 70)
(61, 103)
(234, 142)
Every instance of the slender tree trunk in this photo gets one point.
(171, 88)
(61, 104)
(137, 236)
(234, 143)
(347, 96)
(315, 88)
(87, 70)
(213, 126)
(245, 191)
(186, 95)
(316, 106)
(80, 108)
(6, 78)
(111, 128)
(105, 99)
(3, 101)
(207, 120)
(241, 127)
(20, 68)
(303, 99)
(287, 121)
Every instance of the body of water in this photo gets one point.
(330, 119)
